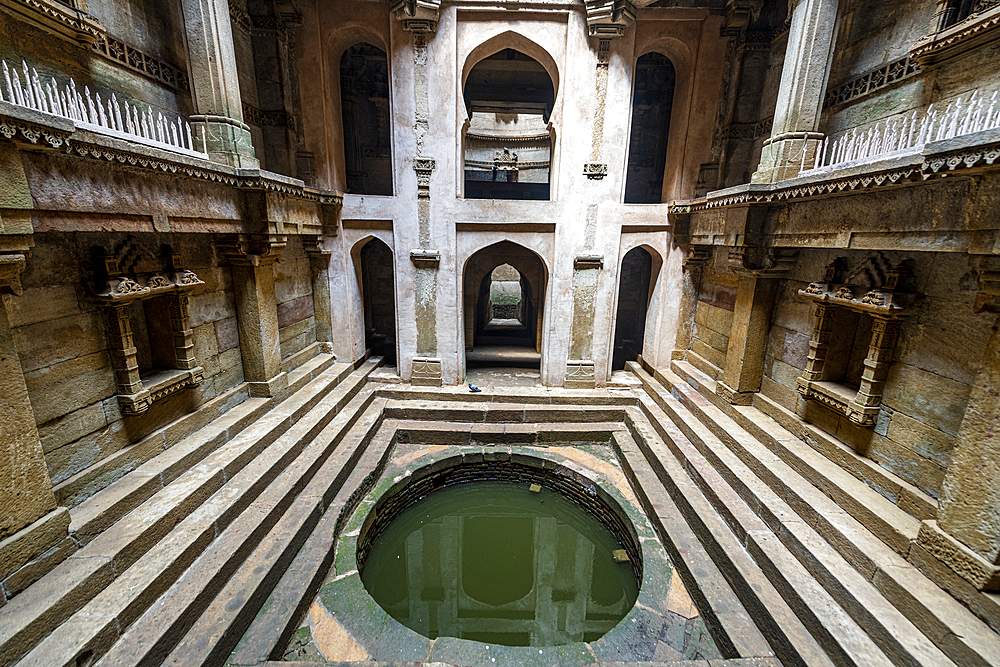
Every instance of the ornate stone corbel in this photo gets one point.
(425, 258)
(14, 253)
(609, 18)
(252, 249)
(762, 262)
(679, 218)
(417, 16)
(331, 204)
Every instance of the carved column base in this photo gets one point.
(272, 387)
(580, 374)
(426, 372)
(226, 140)
(962, 560)
(783, 157)
(732, 396)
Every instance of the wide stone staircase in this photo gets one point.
(794, 549)
(827, 532)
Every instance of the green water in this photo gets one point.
(497, 563)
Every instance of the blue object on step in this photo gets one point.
(473, 387)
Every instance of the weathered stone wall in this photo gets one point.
(931, 376)
(714, 315)
(61, 341)
(872, 35)
(293, 293)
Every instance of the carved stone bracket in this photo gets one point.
(762, 262)
(424, 258)
(330, 207)
(697, 257)
(588, 261)
(319, 257)
(595, 171)
(679, 218)
(15, 249)
(417, 16)
(609, 18)
(252, 249)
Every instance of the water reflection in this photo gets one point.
(497, 563)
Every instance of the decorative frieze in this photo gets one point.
(255, 116)
(871, 81)
(131, 57)
(980, 28)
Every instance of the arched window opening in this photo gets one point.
(508, 145)
(633, 301)
(379, 299)
(364, 99)
(647, 151)
(504, 288)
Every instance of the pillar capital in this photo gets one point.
(608, 19)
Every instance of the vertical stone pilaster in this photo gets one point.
(122, 348)
(694, 264)
(794, 135)
(319, 268)
(251, 262)
(25, 488)
(215, 87)
(966, 535)
(755, 295)
(580, 366)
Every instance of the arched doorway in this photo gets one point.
(638, 270)
(364, 99)
(647, 149)
(508, 143)
(504, 291)
(377, 282)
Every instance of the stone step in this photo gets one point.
(512, 413)
(880, 588)
(528, 395)
(200, 618)
(271, 630)
(774, 425)
(880, 636)
(846, 493)
(734, 630)
(75, 582)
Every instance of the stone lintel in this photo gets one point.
(426, 372)
(959, 558)
(425, 258)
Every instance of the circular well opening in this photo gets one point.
(501, 552)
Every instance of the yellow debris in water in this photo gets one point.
(535, 488)
(620, 555)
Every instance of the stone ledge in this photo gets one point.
(32, 540)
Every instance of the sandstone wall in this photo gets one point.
(934, 365)
(63, 348)
(293, 292)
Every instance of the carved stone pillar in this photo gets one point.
(580, 367)
(966, 536)
(252, 261)
(794, 136)
(755, 297)
(215, 87)
(319, 267)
